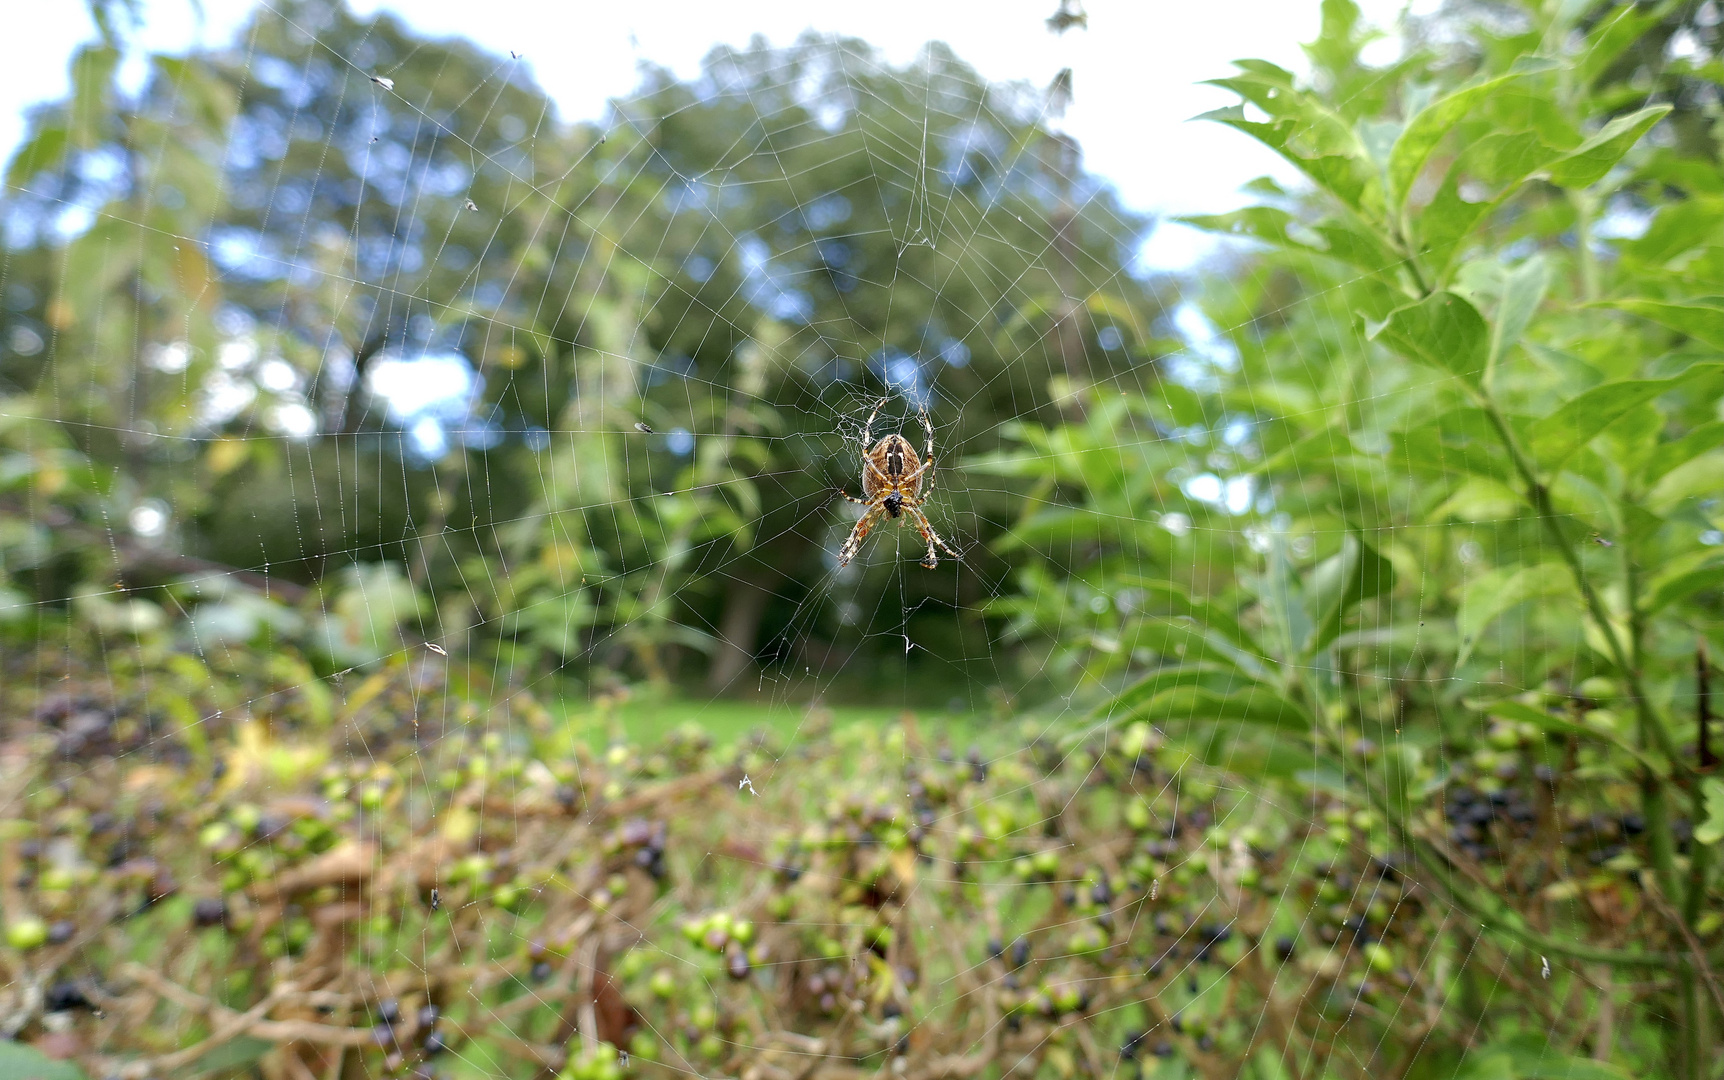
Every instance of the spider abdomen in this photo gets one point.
(893, 459)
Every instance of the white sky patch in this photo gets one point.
(293, 420)
(440, 383)
(1135, 70)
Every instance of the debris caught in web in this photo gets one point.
(436, 900)
(387, 84)
(436, 648)
(745, 782)
(1545, 969)
(471, 205)
(644, 429)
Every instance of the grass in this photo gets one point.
(646, 719)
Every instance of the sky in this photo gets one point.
(1136, 69)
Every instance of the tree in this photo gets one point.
(752, 259)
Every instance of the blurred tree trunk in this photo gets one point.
(738, 631)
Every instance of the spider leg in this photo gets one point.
(910, 477)
(854, 499)
(868, 428)
(928, 425)
(930, 560)
(857, 535)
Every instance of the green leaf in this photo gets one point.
(1342, 582)
(1427, 129)
(20, 1062)
(1128, 701)
(1447, 221)
(43, 153)
(1680, 451)
(1587, 163)
(1523, 290)
(1678, 228)
(1509, 709)
(92, 82)
(1273, 225)
(1554, 438)
(1179, 603)
(1443, 331)
(1711, 830)
(236, 1054)
(1339, 174)
(1683, 577)
(1256, 704)
(1701, 318)
(1491, 594)
(1316, 449)
(1614, 33)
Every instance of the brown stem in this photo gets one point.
(1696, 951)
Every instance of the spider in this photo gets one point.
(892, 485)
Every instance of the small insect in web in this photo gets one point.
(893, 486)
(644, 429)
(471, 205)
(436, 648)
(387, 84)
(436, 900)
(513, 55)
(745, 782)
(1544, 968)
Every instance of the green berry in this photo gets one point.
(26, 932)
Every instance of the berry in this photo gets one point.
(26, 932)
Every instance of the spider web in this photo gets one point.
(923, 640)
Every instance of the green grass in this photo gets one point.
(645, 720)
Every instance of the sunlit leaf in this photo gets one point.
(1588, 163)
(1443, 331)
(1523, 290)
(1426, 130)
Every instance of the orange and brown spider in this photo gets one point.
(892, 485)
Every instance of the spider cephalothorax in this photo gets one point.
(892, 484)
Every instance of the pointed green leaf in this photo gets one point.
(1342, 582)
(1701, 318)
(1706, 437)
(1255, 704)
(1523, 290)
(1554, 438)
(1491, 594)
(1427, 129)
(1125, 705)
(1589, 161)
(1443, 331)
(1340, 175)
